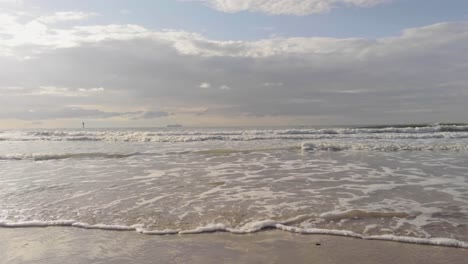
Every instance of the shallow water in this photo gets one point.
(405, 184)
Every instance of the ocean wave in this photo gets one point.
(383, 146)
(51, 156)
(353, 214)
(248, 228)
(308, 146)
(383, 129)
(458, 132)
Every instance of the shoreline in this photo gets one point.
(251, 228)
(77, 245)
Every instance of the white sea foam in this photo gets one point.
(407, 182)
(319, 231)
(382, 146)
(105, 227)
(320, 145)
(187, 135)
(437, 241)
(246, 229)
(361, 214)
(157, 232)
(58, 156)
(206, 229)
(37, 223)
(253, 227)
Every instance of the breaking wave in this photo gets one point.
(333, 146)
(49, 156)
(190, 135)
(383, 146)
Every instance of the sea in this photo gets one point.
(406, 183)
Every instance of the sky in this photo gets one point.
(122, 63)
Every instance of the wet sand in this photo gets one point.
(73, 245)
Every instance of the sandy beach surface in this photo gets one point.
(73, 245)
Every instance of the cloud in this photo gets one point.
(272, 84)
(80, 113)
(50, 91)
(224, 87)
(352, 91)
(11, 2)
(186, 43)
(153, 115)
(67, 112)
(125, 11)
(65, 16)
(204, 85)
(91, 90)
(328, 79)
(34, 37)
(37, 35)
(285, 7)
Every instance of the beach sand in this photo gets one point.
(73, 245)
